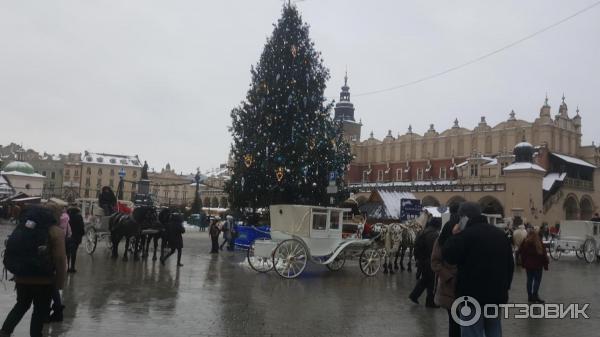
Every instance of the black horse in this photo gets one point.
(130, 226)
(159, 233)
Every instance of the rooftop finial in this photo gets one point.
(563, 98)
(577, 111)
(456, 123)
(346, 77)
(546, 100)
(409, 128)
(371, 134)
(512, 115)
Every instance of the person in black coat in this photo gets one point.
(175, 239)
(77, 233)
(485, 264)
(422, 252)
(107, 200)
(213, 232)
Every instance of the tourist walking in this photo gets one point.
(445, 292)
(35, 254)
(175, 239)
(227, 232)
(485, 265)
(57, 305)
(534, 260)
(422, 252)
(77, 232)
(213, 232)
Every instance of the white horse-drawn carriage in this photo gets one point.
(581, 237)
(96, 223)
(302, 233)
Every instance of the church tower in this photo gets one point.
(344, 113)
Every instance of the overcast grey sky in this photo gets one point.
(159, 78)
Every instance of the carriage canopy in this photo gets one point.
(302, 219)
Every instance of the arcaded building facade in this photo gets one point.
(469, 164)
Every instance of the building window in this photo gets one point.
(474, 170)
(111, 183)
(380, 175)
(135, 174)
(99, 182)
(502, 167)
(52, 175)
(44, 173)
(365, 176)
(133, 186)
(399, 174)
(442, 173)
(86, 193)
(99, 171)
(89, 170)
(420, 174)
(87, 181)
(67, 172)
(112, 172)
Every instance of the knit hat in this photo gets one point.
(469, 209)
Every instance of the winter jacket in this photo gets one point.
(484, 260)
(424, 246)
(77, 227)
(445, 291)
(56, 245)
(530, 258)
(64, 224)
(175, 231)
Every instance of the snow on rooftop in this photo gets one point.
(551, 178)
(435, 211)
(524, 166)
(573, 160)
(110, 159)
(523, 144)
(493, 162)
(391, 201)
(21, 174)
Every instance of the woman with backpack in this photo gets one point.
(36, 276)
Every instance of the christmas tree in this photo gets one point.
(285, 144)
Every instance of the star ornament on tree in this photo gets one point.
(279, 173)
(248, 160)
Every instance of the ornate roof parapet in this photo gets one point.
(545, 109)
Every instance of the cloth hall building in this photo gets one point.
(479, 164)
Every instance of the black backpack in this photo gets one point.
(27, 253)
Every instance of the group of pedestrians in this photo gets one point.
(226, 227)
(470, 257)
(39, 253)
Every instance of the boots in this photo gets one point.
(57, 313)
(537, 299)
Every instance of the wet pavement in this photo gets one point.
(218, 295)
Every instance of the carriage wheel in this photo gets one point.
(91, 240)
(370, 261)
(289, 259)
(555, 252)
(259, 263)
(589, 250)
(337, 263)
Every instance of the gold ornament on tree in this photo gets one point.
(294, 51)
(248, 160)
(279, 173)
(311, 143)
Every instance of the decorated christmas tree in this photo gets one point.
(286, 147)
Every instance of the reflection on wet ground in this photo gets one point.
(217, 295)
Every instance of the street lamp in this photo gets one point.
(121, 184)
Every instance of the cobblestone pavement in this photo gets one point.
(218, 295)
